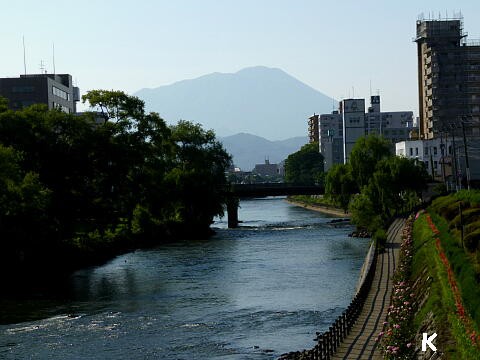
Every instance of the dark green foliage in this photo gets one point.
(304, 167)
(387, 185)
(339, 185)
(72, 190)
(366, 153)
(364, 214)
(472, 240)
(468, 216)
(472, 226)
(380, 237)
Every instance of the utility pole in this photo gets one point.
(442, 149)
(466, 154)
(454, 162)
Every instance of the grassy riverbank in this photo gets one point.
(447, 278)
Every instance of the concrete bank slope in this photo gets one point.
(322, 209)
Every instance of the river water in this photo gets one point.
(249, 293)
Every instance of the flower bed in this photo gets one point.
(462, 314)
(397, 338)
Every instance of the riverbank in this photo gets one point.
(328, 210)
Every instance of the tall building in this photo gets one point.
(331, 138)
(313, 129)
(339, 130)
(55, 90)
(353, 121)
(448, 78)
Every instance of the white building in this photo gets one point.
(339, 130)
(438, 155)
(430, 153)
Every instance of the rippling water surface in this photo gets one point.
(249, 293)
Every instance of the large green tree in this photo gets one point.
(340, 185)
(88, 189)
(366, 152)
(305, 166)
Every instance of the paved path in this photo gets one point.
(360, 343)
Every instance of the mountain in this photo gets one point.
(248, 150)
(260, 100)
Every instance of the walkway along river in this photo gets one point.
(249, 293)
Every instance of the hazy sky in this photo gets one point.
(337, 47)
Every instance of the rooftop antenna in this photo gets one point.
(24, 59)
(370, 87)
(53, 58)
(42, 66)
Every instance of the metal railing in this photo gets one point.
(329, 341)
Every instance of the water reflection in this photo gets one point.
(269, 284)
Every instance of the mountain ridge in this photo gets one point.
(248, 149)
(256, 100)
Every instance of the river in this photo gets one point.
(253, 292)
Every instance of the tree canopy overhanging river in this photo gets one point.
(249, 293)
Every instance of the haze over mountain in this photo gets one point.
(258, 100)
(248, 150)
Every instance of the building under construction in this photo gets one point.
(448, 78)
(313, 129)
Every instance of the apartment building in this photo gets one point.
(448, 78)
(54, 90)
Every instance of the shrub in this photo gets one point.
(380, 237)
(472, 227)
(472, 240)
(469, 215)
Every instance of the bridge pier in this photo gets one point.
(232, 212)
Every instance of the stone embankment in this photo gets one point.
(354, 337)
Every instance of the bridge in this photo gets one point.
(236, 191)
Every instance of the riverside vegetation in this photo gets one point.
(447, 271)
(374, 186)
(75, 190)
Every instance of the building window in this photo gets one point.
(60, 93)
(435, 164)
(61, 107)
(411, 151)
(416, 151)
(425, 151)
(23, 89)
(434, 150)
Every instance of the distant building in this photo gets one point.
(268, 169)
(313, 135)
(54, 90)
(339, 130)
(353, 121)
(331, 138)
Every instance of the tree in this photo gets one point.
(366, 152)
(305, 166)
(23, 207)
(198, 177)
(339, 185)
(392, 189)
